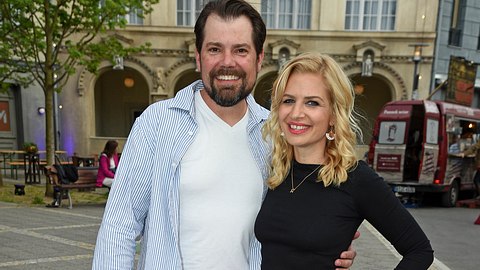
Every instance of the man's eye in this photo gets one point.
(213, 50)
(242, 51)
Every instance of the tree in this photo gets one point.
(43, 41)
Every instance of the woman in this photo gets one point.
(108, 163)
(319, 193)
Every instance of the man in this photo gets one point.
(474, 150)
(191, 177)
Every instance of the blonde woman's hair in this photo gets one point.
(340, 152)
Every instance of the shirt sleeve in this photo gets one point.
(127, 205)
(255, 255)
(378, 204)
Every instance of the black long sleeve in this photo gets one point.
(308, 229)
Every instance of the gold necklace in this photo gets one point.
(303, 180)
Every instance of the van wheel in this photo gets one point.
(449, 198)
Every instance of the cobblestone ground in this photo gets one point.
(59, 238)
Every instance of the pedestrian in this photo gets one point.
(319, 193)
(107, 164)
(191, 180)
(475, 150)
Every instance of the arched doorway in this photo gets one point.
(186, 79)
(263, 89)
(120, 97)
(371, 94)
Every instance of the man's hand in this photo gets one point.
(347, 257)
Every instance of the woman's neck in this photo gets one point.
(310, 157)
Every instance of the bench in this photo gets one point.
(16, 164)
(87, 179)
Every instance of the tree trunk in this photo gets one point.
(49, 90)
(50, 134)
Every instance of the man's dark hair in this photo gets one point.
(231, 9)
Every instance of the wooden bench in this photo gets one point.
(87, 179)
(16, 164)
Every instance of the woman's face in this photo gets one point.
(305, 112)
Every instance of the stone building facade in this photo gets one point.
(98, 107)
(458, 35)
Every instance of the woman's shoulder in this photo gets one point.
(362, 168)
(365, 184)
(363, 174)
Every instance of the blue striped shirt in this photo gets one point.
(144, 199)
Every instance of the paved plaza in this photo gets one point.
(59, 238)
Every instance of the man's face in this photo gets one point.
(228, 61)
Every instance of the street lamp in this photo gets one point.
(417, 58)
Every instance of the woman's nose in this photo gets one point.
(297, 111)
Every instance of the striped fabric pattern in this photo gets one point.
(144, 197)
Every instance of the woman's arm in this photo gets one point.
(383, 210)
(104, 166)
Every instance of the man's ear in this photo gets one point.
(197, 60)
(260, 60)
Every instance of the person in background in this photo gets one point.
(475, 150)
(454, 147)
(107, 164)
(191, 180)
(319, 193)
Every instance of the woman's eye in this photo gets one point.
(312, 103)
(288, 100)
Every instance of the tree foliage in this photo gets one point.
(38, 36)
(43, 41)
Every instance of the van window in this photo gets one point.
(392, 132)
(432, 131)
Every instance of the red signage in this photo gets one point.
(389, 162)
(4, 116)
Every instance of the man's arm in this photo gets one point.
(347, 257)
(127, 206)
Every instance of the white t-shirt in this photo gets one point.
(220, 194)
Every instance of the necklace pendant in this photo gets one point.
(292, 190)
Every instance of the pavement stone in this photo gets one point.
(52, 238)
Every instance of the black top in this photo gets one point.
(308, 229)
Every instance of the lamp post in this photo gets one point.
(417, 58)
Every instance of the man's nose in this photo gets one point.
(228, 59)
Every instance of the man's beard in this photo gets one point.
(228, 96)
